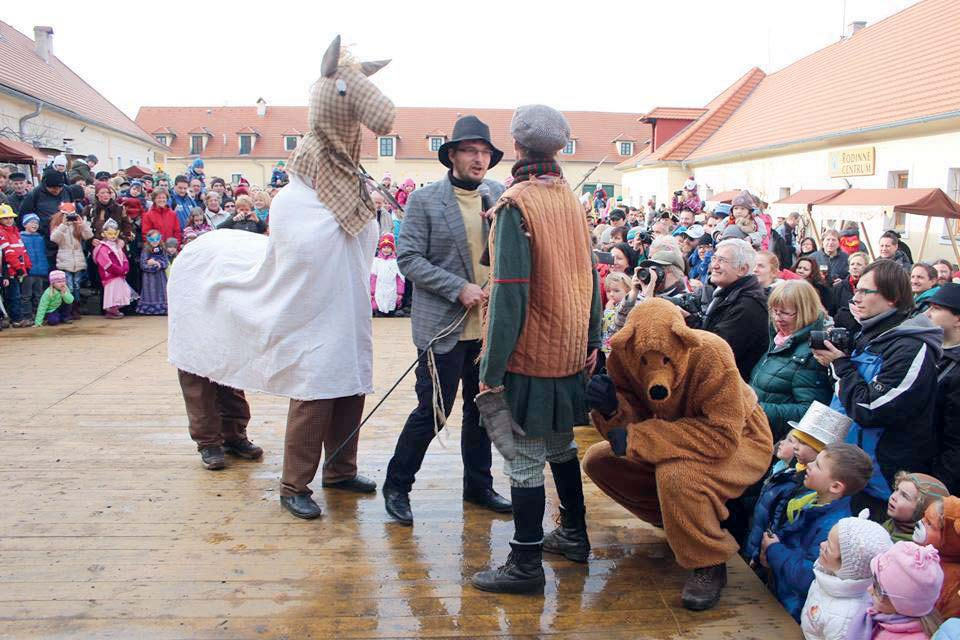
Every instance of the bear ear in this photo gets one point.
(688, 337)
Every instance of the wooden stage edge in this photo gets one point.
(111, 529)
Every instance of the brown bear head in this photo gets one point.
(651, 354)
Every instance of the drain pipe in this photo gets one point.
(29, 116)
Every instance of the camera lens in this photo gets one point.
(643, 273)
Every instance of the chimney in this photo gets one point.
(855, 26)
(261, 107)
(43, 42)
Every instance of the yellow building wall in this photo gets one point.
(114, 150)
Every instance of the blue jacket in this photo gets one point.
(182, 205)
(700, 268)
(777, 489)
(791, 561)
(35, 245)
(888, 387)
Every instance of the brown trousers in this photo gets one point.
(315, 426)
(686, 498)
(216, 413)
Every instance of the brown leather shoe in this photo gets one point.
(702, 589)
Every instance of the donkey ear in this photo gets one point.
(331, 59)
(371, 67)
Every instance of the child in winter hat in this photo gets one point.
(906, 583)
(912, 494)
(841, 577)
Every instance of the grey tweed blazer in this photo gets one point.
(433, 254)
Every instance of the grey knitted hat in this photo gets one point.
(860, 540)
(540, 128)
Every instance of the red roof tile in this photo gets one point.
(715, 114)
(674, 113)
(56, 84)
(900, 69)
(593, 130)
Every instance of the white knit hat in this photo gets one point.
(860, 540)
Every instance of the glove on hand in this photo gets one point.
(618, 441)
(496, 418)
(602, 395)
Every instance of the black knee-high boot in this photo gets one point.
(523, 571)
(570, 538)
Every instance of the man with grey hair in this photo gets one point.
(738, 309)
(214, 213)
(542, 333)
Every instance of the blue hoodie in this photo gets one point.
(37, 250)
(791, 561)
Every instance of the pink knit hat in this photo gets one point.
(910, 575)
(57, 276)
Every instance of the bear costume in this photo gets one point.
(696, 437)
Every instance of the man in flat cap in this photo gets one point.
(440, 251)
(538, 343)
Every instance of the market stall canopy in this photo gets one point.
(20, 153)
(801, 201)
(724, 196)
(865, 204)
(137, 171)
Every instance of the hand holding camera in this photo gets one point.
(830, 345)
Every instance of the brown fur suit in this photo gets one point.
(688, 453)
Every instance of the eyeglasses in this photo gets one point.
(877, 589)
(858, 292)
(721, 260)
(784, 314)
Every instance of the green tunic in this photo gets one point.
(539, 405)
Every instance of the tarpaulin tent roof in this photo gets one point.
(921, 202)
(809, 196)
(723, 196)
(20, 153)
(137, 171)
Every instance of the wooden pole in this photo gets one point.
(923, 243)
(813, 224)
(866, 239)
(953, 238)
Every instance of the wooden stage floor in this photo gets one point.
(110, 527)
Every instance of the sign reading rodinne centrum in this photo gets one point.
(855, 161)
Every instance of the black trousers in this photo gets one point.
(452, 368)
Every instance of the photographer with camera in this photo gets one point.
(886, 379)
(660, 275)
(737, 311)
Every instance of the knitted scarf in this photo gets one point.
(525, 169)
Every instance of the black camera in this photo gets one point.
(643, 273)
(678, 193)
(838, 337)
(72, 217)
(689, 302)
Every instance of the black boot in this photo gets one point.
(522, 573)
(702, 589)
(570, 538)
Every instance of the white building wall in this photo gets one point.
(927, 159)
(658, 183)
(114, 150)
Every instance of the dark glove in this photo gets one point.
(618, 441)
(602, 395)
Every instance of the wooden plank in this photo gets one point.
(952, 230)
(866, 239)
(923, 242)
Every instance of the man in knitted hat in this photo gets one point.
(542, 333)
(440, 251)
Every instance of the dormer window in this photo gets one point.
(435, 143)
(290, 142)
(246, 144)
(626, 148)
(387, 146)
(571, 148)
(161, 138)
(197, 143)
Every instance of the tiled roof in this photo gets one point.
(674, 113)
(898, 70)
(593, 130)
(715, 114)
(54, 83)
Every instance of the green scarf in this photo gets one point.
(797, 505)
(525, 169)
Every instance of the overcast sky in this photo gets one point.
(599, 55)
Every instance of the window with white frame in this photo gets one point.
(386, 146)
(246, 144)
(161, 138)
(898, 180)
(290, 142)
(626, 148)
(571, 148)
(435, 143)
(196, 145)
(235, 178)
(953, 190)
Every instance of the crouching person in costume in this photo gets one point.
(685, 435)
(289, 314)
(542, 322)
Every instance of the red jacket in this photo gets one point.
(16, 261)
(165, 221)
